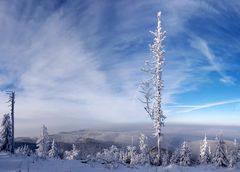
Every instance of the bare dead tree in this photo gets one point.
(152, 87)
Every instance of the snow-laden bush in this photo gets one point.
(144, 150)
(74, 154)
(109, 155)
(132, 157)
(24, 150)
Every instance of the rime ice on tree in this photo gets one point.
(220, 158)
(205, 152)
(144, 152)
(185, 155)
(53, 152)
(74, 154)
(43, 143)
(6, 134)
(233, 156)
(152, 88)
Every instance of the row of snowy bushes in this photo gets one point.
(143, 155)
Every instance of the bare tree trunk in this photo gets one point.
(12, 115)
(159, 148)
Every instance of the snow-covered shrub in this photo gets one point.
(132, 156)
(74, 154)
(109, 155)
(24, 150)
(144, 150)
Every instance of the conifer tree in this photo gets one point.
(220, 158)
(233, 156)
(185, 155)
(204, 152)
(6, 134)
(175, 159)
(53, 152)
(43, 143)
(165, 158)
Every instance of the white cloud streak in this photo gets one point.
(191, 108)
(203, 47)
(68, 74)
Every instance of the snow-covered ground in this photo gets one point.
(10, 163)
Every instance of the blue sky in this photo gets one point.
(76, 64)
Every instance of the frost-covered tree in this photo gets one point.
(144, 152)
(233, 156)
(152, 88)
(185, 155)
(109, 155)
(24, 150)
(175, 159)
(74, 154)
(53, 152)
(132, 156)
(165, 158)
(43, 143)
(219, 157)
(6, 133)
(205, 152)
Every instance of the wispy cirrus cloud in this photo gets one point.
(191, 108)
(201, 45)
(79, 62)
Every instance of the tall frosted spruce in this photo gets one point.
(152, 88)
(205, 152)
